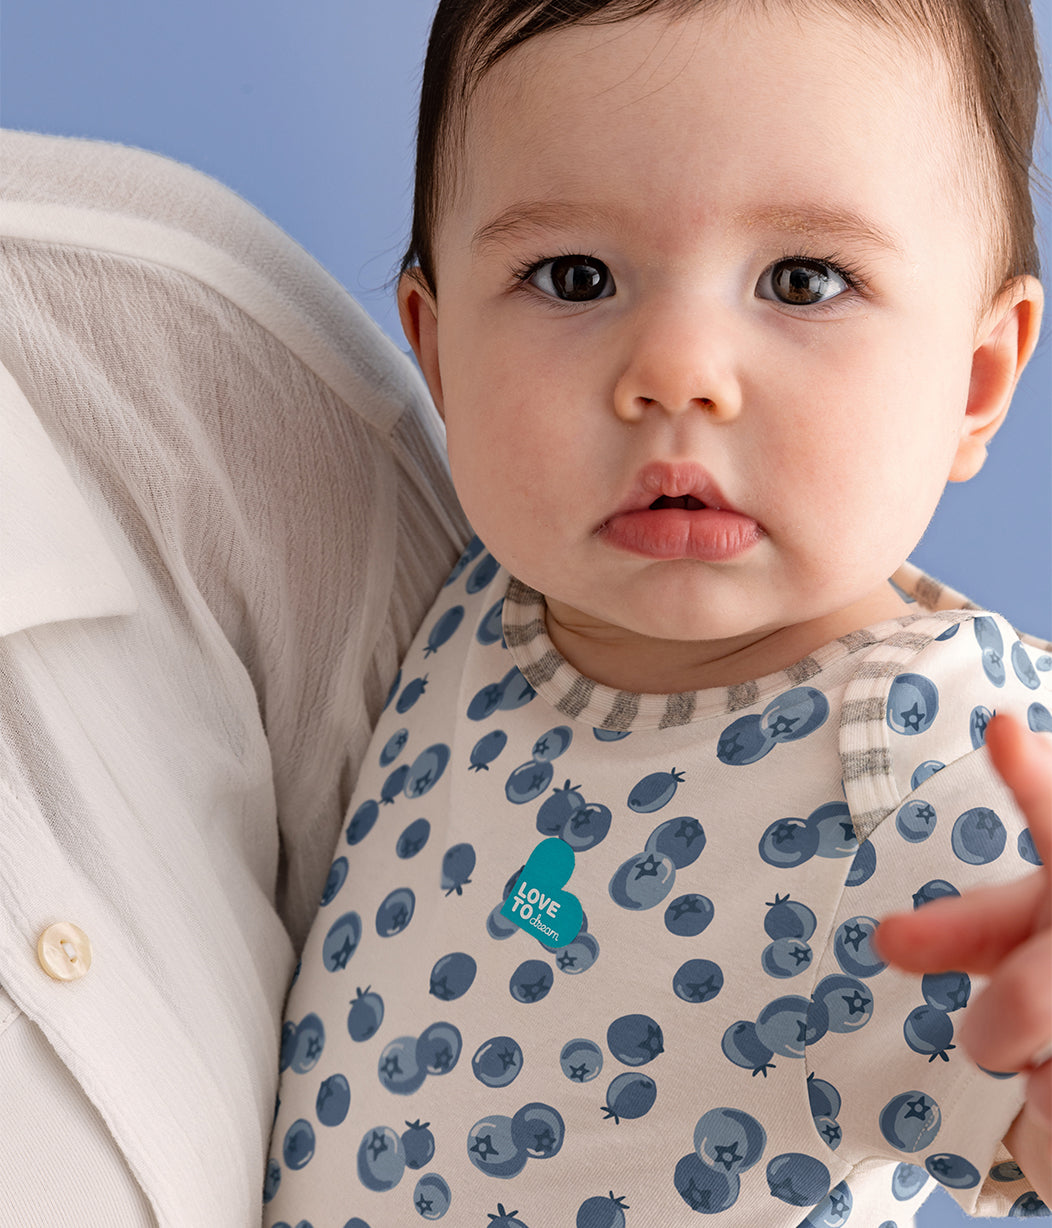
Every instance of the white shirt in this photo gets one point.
(223, 512)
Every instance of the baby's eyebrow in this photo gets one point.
(524, 217)
(818, 221)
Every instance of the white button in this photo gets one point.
(64, 951)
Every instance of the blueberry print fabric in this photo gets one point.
(593, 959)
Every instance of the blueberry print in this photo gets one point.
(452, 976)
(743, 742)
(298, 1147)
(552, 744)
(413, 839)
(953, 1171)
(743, 1047)
(910, 1121)
(418, 1144)
(426, 770)
(393, 691)
(833, 1211)
(829, 1131)
(698, 980)
(629, 1095)
(393, 747)
(362, 821)
(1028, 1206)
(581, 1060)
(705, 1189)
(600, 1212)
(271, 1181)
(395, 912)
(381, 1160)
(505, 1219)
(482, 574)
(643, 881)
(527, 782)
(788, 843)
(946, 991)
(538, 1130)
(289, 1032)
(654, 791)
(853, 948)
(308, 1045)
(333, 1101)
(587, 827)
(438, 1048)
(635, 1040)
(1039, 718)
(492, 1149)
(444, 629)
(471, 551)
(399, 1068)
(907, 1180)
(788, 918)
(786, 957)
(977, 723)
(978, 836)
(729, 1140)
(936, 889)
(993, 647)
(490, 629)
(681, 840)
(1026, 849)
(531, 981)
(337, 877)
(413, 691)
(689, 915)
(1024, 667)
(795, 714)
(913, 704)
(394, 784)
(457, 865)
(929, 1032)
(823, 1098)
(1007, 1170)
(925, 771)
(610, 735)
(516, 692)
(498, 925)
(847, 1002)
(487, 748)
(783, 1027)
(915, 821)
(432, 1196)
(498, 1061)
(863, 865)
(836, 832)
(1044, 663)
(578, 956)
(485, 701)
(948, 634)
(797, 1179)
(557, 811)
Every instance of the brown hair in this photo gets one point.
(990, 44)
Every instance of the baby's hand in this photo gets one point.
(1005, 933)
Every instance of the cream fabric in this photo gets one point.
(223, 513)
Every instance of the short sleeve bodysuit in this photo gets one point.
(714, 1034)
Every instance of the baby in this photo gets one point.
(714, 299)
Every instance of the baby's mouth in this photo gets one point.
(687, 502)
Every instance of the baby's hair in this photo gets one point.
(989, 46)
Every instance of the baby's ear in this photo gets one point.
(1005, 340)
(418, 312)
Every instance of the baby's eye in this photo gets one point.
(572, 279)
(801, 283)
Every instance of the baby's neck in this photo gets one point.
(631, 662)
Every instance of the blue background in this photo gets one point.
(308, 111)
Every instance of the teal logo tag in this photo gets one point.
(538, 904)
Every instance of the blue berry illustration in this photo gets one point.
(444, 629)
(915, 821)
(587, 827)
(786, 957)
(393, 691)
(393, 747)
(822, 1097)
(499, 926)
(681, 840)
(556, 812)
(577, 956)
(610, 735)
(788, 843)
(492, 1149)
(505, 1219)
(337, 877)
(744, 741)
(635, 1040)
(298, 1146)
(936, 889)
(485, 701)
(913, 704)
(538, 1130)
(413, 690)
(1025, 847)
(418, 1143)
(953, 1171)
(629, 1095)
(482, 574)
(457, 865)
(471, 551)
(788, 918)
(925, 771)
(1007, 1170)
(289, 1032)
(491, 629)
(528, 781)
(361, 823)
(847, 1003)
(581, 1060)
(271, 1181)
(1039, 718)
(853, 947)
(798, 1179)
(341, 942)
(729, 1140)
(333, 1100)
(993, 648)
(438, 1048)
(907, 1181)
(308, 1045)
(395, 912)
(602, 1212)
(794, 714)
(452, 976)
(863, 865)
(1028, 1206)
(705, 1189)
(381, 1160)
(394, 785)
(497, 1061)
(486, 749)
(783, 1025)
(413, 839)
(946, 991)
(979, 837)
(833, 1211)
(431, 1197)
(980, 717)
(910, 1121)
(929, 1032)
(689, 915)
(743, 1047)
(836, 832)
(697, 980)
(426, 770)
(829, 1131)
(399, 1068)
(516, 692)
(531, 981)
(654, 791)
(642, 881)
(552, 744)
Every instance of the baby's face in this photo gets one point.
(707, 304)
